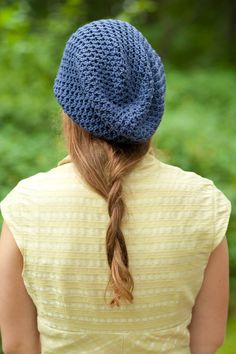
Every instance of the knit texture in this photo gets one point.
(111, 81)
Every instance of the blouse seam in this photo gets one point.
(213, 218)
(143, 332)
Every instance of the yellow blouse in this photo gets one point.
(175, 219)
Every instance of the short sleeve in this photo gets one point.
(15, 213)
(221, 212)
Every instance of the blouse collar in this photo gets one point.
(150, 157)
(66, 159)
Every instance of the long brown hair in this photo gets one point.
(103, 165)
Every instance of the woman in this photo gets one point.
(113, 250)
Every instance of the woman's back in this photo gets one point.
(174, 220)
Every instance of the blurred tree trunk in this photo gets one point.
(39, 9)
(232, 31)
(98, 9)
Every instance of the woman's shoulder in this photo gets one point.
(186, 180)
(42, 181)
(174, 174)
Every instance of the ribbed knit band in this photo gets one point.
(111, 81)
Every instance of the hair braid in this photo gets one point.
(117, 255)
(103, 165)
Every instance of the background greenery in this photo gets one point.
(196, 40)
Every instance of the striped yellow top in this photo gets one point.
(175, 219)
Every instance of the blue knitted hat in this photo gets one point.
(111, 81)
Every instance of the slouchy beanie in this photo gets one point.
(111, 81)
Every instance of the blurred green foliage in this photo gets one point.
(230, 341)
(196, 40)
